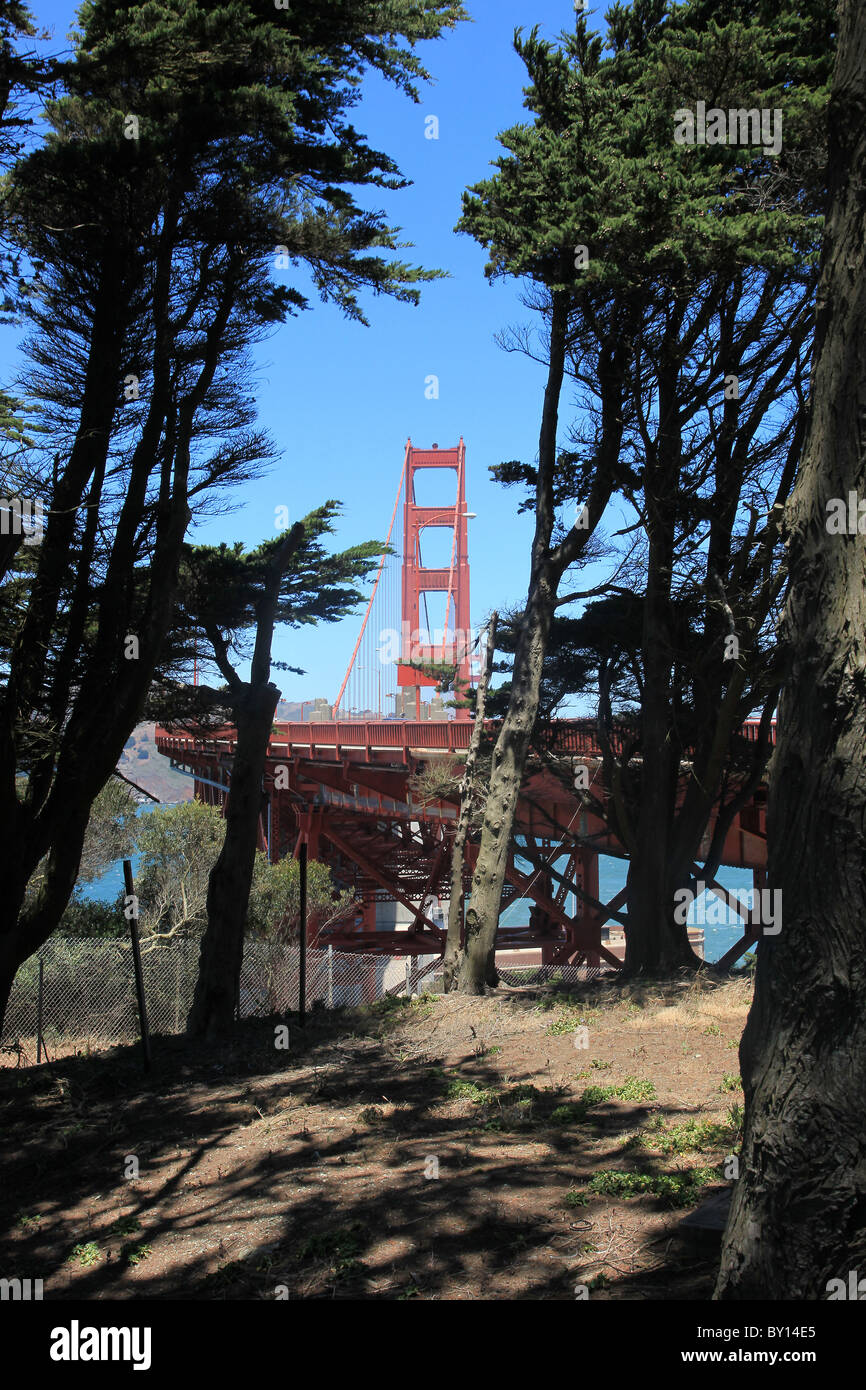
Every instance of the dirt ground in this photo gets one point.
(532, 1144)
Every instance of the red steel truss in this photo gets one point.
(351, 792)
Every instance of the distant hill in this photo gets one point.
(292, 711)
(297, 711)
(143, 764)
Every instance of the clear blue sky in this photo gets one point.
(341, 399)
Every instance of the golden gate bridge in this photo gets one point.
(348, 787)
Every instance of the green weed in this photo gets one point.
(339, 1248)
(136, 1253)
(695, 1136)
(125, 1226)
(571, 1114)
(634, 1089)
(86, 1254)
(457, 1088)
(674, 1189)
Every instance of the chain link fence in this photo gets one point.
(86, 996)
(87, 992)
(523, 976)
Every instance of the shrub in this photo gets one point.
(86, 918)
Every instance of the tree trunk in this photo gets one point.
(10, 960)
(451, 958)
(228, 891)
(213, 1006)
(477, 964)
(25, 925)
(655, 942)
(798, 1218)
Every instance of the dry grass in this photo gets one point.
(702, 1000)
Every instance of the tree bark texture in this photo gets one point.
(453, 944)
(213, 1007)
(798, 1217)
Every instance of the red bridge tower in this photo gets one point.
(455, 646)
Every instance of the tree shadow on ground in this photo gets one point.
(255, 1183)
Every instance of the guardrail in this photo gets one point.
(576, 736)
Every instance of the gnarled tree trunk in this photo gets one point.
(228, 893)
(451, 957)
(213, 1007)
(548, 564)
(798, 1218)
(477, 964)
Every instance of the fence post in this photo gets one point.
(330, 977)
(408, 977)
(136, 962)
(39, 1015)
(302, 963)
(177, 995)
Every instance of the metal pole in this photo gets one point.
(302, 964)
(136, 962)
(330, 977)
(39, 1014)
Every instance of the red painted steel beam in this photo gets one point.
(596, 907)
(372, 871)
(735, 952)
(599, 920)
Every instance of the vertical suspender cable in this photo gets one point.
(375, 586)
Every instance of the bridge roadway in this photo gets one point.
(354, 792)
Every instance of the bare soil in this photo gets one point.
(440, 1149)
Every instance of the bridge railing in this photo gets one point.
(751, 728)
(448, 734)
(571, 735)
(575, 736)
